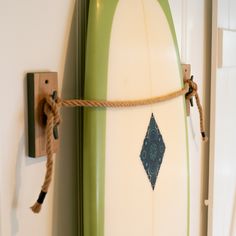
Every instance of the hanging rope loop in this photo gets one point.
(53, 105)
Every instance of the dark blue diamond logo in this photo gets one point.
(152, 151)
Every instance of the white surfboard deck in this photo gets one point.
(142, 63)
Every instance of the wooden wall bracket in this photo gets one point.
(39, 85)
(186, 68)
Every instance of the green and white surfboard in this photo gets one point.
(136, 175)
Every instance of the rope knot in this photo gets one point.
(192, 88)
(53, 105)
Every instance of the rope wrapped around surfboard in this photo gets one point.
(53, 105)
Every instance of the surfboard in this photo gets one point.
(135, 162)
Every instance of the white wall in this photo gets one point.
(222, 208)
(34, 37)
(192, 19)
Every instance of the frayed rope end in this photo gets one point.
(36, 208)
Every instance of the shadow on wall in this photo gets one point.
(65, 208)
(20, 156)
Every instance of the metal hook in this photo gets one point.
(189, 92)
(55, 128)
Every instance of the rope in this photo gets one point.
(127, 103)
(52, 107)
(194, 93)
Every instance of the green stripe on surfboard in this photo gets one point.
(100, 20)
(98, 39)
(166, 9)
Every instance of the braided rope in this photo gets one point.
(127, 103)
(52, 107)
(194, 93)
(49, 165)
